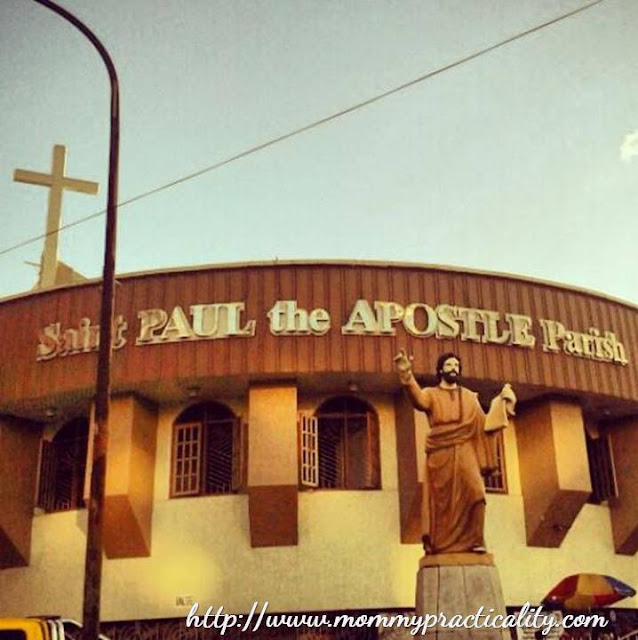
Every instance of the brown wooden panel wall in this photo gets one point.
(19, 450)
(334, 287)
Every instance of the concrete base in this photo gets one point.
(459, 584)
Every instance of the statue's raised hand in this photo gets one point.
(403, 365)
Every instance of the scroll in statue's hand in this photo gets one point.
(509, 398)
(501, 407)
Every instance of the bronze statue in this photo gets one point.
(460, 449)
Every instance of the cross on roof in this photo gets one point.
(57, 183)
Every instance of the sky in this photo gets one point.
(523, 160)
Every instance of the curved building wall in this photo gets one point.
(250, 337)
(335, 288)
(348, 555)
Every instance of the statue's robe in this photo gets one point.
(459, 453)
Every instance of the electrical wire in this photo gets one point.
(312, 125)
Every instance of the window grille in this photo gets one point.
(601, 468)
(333, 453)
(63, 467)
(209, 452)
(339, 446)
(497, 481)
(309, 464)
(186, 472)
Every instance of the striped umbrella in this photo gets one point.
(587, 590)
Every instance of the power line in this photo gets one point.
(312, 125)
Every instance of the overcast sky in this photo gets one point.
(512, 162)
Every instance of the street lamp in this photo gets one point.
(95, 531)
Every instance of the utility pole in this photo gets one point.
(95, 532)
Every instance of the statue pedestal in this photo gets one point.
(459, 584)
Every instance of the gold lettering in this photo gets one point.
(361, 321)
(519, 327)
(70, 343)
(608, 347)
(151, 321)
(447, 326)
(277, 315)
(319, 321)
(233, 320)
(205, 319)
(49, 339)
(553, 331)
(409, 320)
(587, 342)
(469, 318)
(177, 327)
(85, 334)
(118, 341)
(286, 318)
(599, 354)
(573, 344)
(491, 320)
(387, 314)
(221, 320)
(618, 349)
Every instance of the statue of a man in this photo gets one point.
(461, 449)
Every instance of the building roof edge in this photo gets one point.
(333, 263)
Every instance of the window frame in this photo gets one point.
(48, 496)
(310, 478)
(238, 457)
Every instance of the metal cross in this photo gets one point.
(57, 182)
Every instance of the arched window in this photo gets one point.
(340, 446)
(63, 466)
(208, 451)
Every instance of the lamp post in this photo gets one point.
(95, 531)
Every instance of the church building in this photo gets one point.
(263, 450)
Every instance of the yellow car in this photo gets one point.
(40, 629)
(31, 629)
